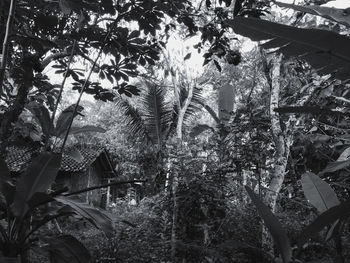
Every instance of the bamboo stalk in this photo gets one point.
(6, 43)
(64, 81)
(85, 85)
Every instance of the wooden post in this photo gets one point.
(108, 195)
(88, 185)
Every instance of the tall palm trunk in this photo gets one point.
(175, 182)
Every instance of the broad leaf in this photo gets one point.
(226, 95)
(318, 192)
(344, 156)
(334, 14)
(335, 166)
(87, 128)
(7, 189)
(93, 215)
(325, 50)
(316, 110)
(212, 113)
(342, 162)
(188, 56)
(41, 113)
(200, 128)
(38, 178)
(76, 155)
(328, 217)
(65, 118)
(274, 226)
(195, 105)
(65, 7)
(67, 249)
(332, 230)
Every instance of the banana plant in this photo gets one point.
(323, 198)
(41, 114)
(324, 50)
(24, 210)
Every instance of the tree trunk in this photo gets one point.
(282, 139)
(282, 142)
(281, 154)
(174, 187)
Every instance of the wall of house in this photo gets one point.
(79, 180)
(95, 178)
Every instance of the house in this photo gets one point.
(93, 168)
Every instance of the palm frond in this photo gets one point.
(132, 118)
(195, 105)
(212, 113)
(156, 112)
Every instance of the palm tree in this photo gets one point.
(154, 119)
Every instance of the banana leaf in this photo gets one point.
(328, 217)
(38, 178)
(318, 192)
(334, 14)
(274, 226)
(326, 51)
(96, 217)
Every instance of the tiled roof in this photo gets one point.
(89, 155)
(19, 157)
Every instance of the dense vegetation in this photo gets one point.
(243, 158)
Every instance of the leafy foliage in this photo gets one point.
(324, 55)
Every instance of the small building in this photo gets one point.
(92, 168)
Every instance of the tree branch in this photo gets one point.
(45, 62)
(51, 58)
(62, 84)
